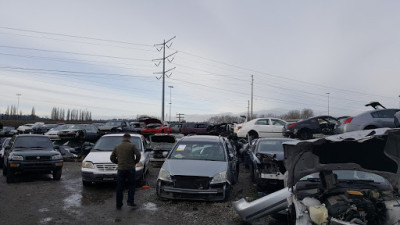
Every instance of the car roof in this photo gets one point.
(121, 134)
(209, 138)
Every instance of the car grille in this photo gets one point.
(106, 167)
(37, 158)
(191, 182)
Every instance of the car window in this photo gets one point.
(108, 143)
(32, 142)
(209, 151)
(274, 146)
(278, 122)
(262, 122)
(389, 113)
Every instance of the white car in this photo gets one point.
(53, 132)
(97, 166)
(262, 127)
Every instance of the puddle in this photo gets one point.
(72, 201)
(46, 220)
(150, 206)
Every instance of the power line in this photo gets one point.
(75, 36)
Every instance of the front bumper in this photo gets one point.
(38, 166)
(92, 175)
(216, 192)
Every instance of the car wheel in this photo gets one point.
(57, 174)
(10, 176)
(304, 135)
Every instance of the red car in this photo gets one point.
(155, 126)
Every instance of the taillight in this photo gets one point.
(348, 120)
(239, 127)
(292, 125)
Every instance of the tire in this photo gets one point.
(10, 176)
(304, 135)
(227, 193)
(57, 174)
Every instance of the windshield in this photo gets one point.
(198, 151)
(33, 143)
(270, 146)
(113, 124)
(109, 143)
(354, 175)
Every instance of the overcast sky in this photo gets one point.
(98, 55)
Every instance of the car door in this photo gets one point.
(264, 128)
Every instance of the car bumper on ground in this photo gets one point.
(215, 192)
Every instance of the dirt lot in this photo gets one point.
(37, 199)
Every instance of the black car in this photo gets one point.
(81, 132)
(305, 129)
(31, 153)
(266, 163)
(43, 128)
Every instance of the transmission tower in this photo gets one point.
(161, 47)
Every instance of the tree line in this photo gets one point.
(70, 114)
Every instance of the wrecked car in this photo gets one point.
(156, 126)
(352, 178)
(305, 129)
(160, 146)
(115, 126)
(198, 168)
(266, 167)
(79, 132)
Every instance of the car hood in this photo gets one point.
(102, 157)
(194, 167)
(30, 152)
(148, 121)
(374, 151)
(107, 127)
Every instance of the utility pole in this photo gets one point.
(163, 45)
(252, 85)
(179, 116)
(248, 110)
(170, 88)
(328, 101)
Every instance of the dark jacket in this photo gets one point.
(125, 155)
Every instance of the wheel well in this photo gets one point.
(253, 132)
(370, 127)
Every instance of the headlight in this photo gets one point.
(56, 157)
(88, 165)
(220, 178)
(17, 158)
(139, 164)
(164, 175)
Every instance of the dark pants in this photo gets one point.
(122, 176)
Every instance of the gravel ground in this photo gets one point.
(37, 199)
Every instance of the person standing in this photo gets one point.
(126, 156)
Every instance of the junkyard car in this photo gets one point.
(155, 126)
(31, 153)
(352, 178)
(8, 132)
(53, 132)
(305, 129)
(115, 126)
(87, 132)
(97, 166)
(262, 127)
(194, 128)
(43, 128)
(377, 118)
(198, 168)
(2, 148)
(397, 119)
(160, 146)
(266, 167)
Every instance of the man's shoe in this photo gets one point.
(131, 204)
